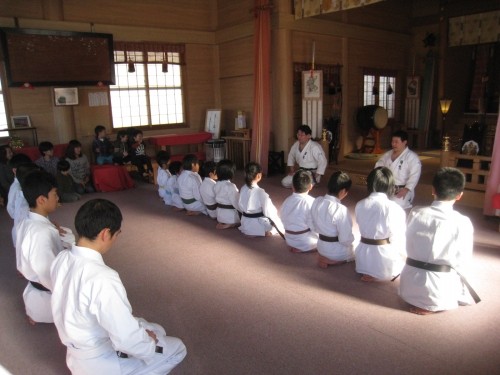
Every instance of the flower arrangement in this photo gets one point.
(16, 142)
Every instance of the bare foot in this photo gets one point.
(368, 279)
(269, 234)
(420, 311)
(297, 251)
(193, 213)
(178, 209)
(31, 321)
(223, 226)
(324, 262)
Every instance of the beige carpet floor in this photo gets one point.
(248, 306)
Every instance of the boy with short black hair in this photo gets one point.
(333, 222)
(102, 146)
(91, 311)
(226, 196)
(47, 161)
(382, 225)
(295, 214)
(37, 244)
(439, 247)
(65, 185)
(163, 160)
(209, 174)
(139, 157)
(189, 186)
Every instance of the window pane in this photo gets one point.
(3, 115)
(147, 96)
(368, 97)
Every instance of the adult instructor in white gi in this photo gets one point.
(405, 166)
(308, 154)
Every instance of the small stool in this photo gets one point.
(276, 163)
(215, 150)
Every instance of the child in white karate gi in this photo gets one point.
(91, 311)
(37, 244)
(439, 246)
(172, 197)
(333, 222)
(163, 160)
(259, 215)
(226, 195)
(382, 225)
(209, 174)
(295, 214)
(189, 186)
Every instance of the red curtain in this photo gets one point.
(493, 185)
(262, 88)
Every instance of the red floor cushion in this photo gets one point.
(111, 178)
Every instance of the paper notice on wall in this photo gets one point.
(97, 99)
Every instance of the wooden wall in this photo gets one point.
(219, 57)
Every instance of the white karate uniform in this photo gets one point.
(227, 193)
(172, 197)
(189, 187)
(254, 200)
(331, 218)
(11, 197)
(295, 214)
(406, 170)
(311, 156)
(21, 211)
(94, 320)
(161, 180)
(380, 218)
(37, 243)
(438, 235)
(208, 195)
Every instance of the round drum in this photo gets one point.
(215, 149)
(372, 116)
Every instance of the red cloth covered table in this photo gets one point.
(496, 201)
(198, 139)
(179, 139)
(111, 178)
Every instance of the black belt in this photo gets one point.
(227, 206)
(158, 349)
(211, 207)
(39, 286)
(261, 214)
(188, 201)
(297, 232)
(322, 237)
(442, 268)
(370, 241)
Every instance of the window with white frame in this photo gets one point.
(4, 124)
(148, 90)
(380, 89)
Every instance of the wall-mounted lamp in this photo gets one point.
(131, 66)
(164, 64)
(444, 105)
(390, 90)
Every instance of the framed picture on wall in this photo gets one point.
(20, 122)
(66, 96)
(212, 122)
(312, 84)
(413, 87)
